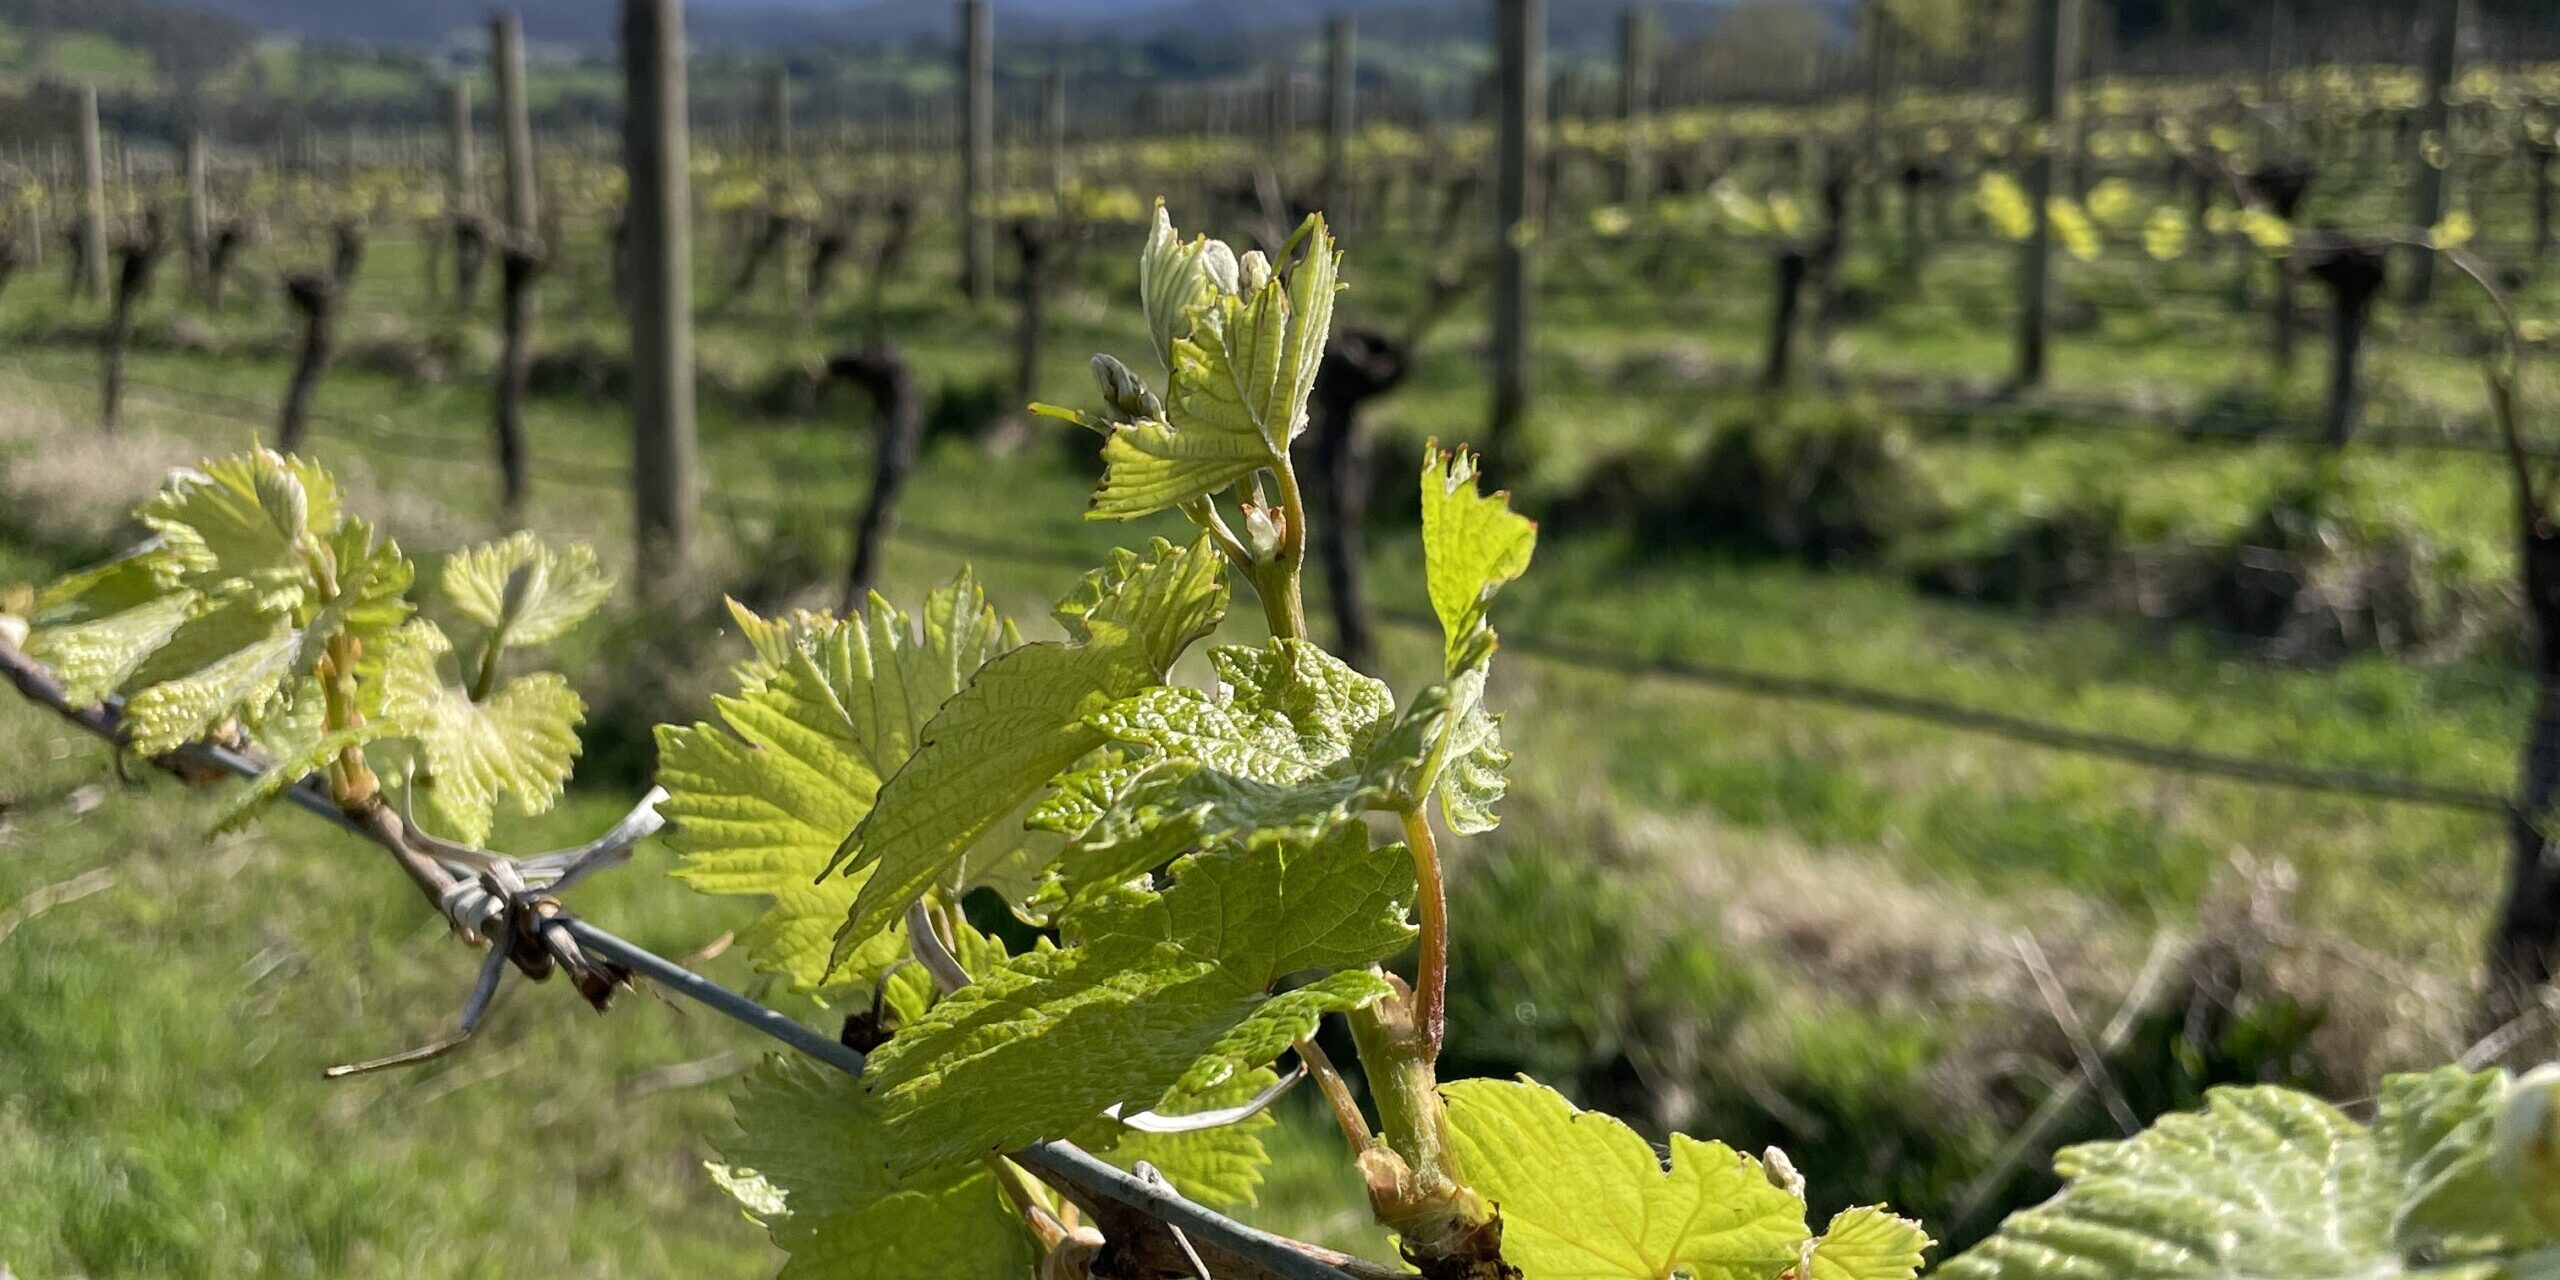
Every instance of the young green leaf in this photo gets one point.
(1151, 984)
(810, 1161)
(1582, 1197)
(243, 520)
(522, 591)
(243, 680)
(1019, 723)
(1472, 544)
(95, 657)
(1176, 280)
(1240, 384)
(1295, 745)
(2271, 1183)
(1866, 1243)
(519, 743)
(759, 803)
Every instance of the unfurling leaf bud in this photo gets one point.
(1128, 397)
(282, 497)
(1262, 533)
(1252, 272)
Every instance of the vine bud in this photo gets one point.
(1262, 533)
(1121, 389)
(282, 497)
(1252, 272)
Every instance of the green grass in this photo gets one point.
(1696, 801)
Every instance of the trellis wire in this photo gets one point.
(1060, 1162)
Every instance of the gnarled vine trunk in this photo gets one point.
(898, 410)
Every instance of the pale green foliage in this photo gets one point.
(243, 523)
(2274, 1184)
(809, 1161)
(1175, 280)
(522, 591)
(1583, 1197)
(1242, 345)
(1295, 744)
(260, 607)
(1472, 545)
(1866, 1243)
(1151, 984)
(1019, 722)
(518, 743)
(829, 708)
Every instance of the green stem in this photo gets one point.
(485, 677)
(1431, 972)
(1290, 602)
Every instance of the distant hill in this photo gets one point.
(116, 41)
(789, 23)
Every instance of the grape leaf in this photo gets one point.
(1866, 1243)
(95, 657)
(2264, 1182)
(1176, 279)
(1019, 722)
(1582, 1197)
(2434, 1130)
(1279, 1022)
(809, 1162)
(1297, 744)
(244, 519)
(1474, 763)
(1153, 981)
(522, 590)
(759, 804)
(1221, 1167)
(243, 679)
(1472, 544)
(519, 743)
(1240, 383)
(139, 576)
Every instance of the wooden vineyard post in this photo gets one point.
(777, 115)
(2431, 147)
(660, 235)
(520, 262)
(2047, 25)
(506, 54)
(199, 207)
(1635, 103)
(1520, 27)
(93, 200)
(1341, 65)
(977, 149)
(462, 192)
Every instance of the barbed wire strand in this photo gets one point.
(1070, 1167)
